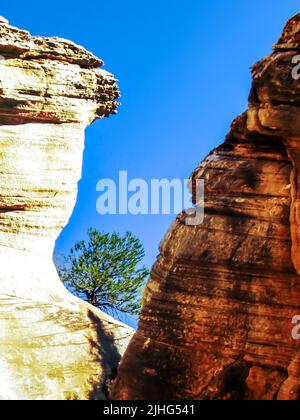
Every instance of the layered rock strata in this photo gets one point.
(52, 345)
(217, 317)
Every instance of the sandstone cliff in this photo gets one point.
(52, 345)
(216, 321)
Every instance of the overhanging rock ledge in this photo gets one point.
(52, 345)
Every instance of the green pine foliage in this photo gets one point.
(104, 272)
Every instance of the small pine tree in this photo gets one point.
(104, 272)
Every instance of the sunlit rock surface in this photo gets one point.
(52, 345)
(217, 318)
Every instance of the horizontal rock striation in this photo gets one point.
(51, 80)
(217, 316)
(52, 345)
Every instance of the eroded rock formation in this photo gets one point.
(52, 345)
(216, 321)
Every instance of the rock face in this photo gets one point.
(217, 318)
(52, 344)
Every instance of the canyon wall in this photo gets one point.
(52, 345)
(217, 316)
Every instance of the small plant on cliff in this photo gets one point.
(104, 271)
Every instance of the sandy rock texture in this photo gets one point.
(52, 345)
(217, 318)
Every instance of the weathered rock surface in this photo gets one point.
(216, 321)
(52, 345)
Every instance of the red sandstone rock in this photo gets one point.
(216, 320)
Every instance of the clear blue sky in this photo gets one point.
(184, 71)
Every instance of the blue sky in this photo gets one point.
(184, 72)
